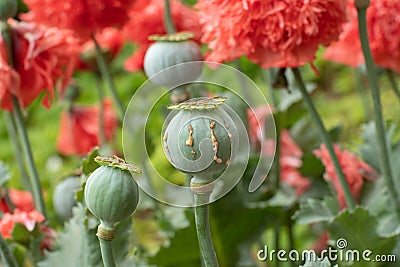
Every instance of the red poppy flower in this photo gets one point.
(22, 200)
(79, 128)
(269, 32)
(290, 154)
(27, 219)
(383, 27)
(84, 17)
(43, 59)
(353, 168)
(147, 19)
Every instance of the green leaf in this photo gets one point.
(88, 164)
(319, 263)
(294, 96)
(370, 147)
(234, 222)
(77, 246)
(360, 231)
(181, 250)
(5, 174)
(315, 211)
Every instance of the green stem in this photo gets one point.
(290, 235)
(34, 180)
(168, 22)
(203, 230)
(326, 138)
(106, 75)
(393, 83)
(6, 253)
(12, 134)
(107, 253)
(383, 151)
(360, 86)
(102, 135)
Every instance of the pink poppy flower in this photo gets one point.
(353, 168)
(269, 32)
(383, 27)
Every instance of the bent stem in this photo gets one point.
(326, 138)
(378, 117)
(36, 187)
(105, 73)
(393, 83)
(6, 253)
(168, 22)
(107, 253)
(12, 134)
(201, 213)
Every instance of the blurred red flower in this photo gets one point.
(269, 32)
(147, 19)
(82, 16)
(383, 27)
(290, 154)
(27, 219)
(111, 42)
(353, 168)
(22, 199)
(79, 128)
(43, 59)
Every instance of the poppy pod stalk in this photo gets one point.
(8, 9)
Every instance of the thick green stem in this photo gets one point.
(203, 230)
(12, 134)
(168, 22)
(34, 180)
(102, 135)
(6, 253)
(393, 83)
(383, 151)
(105, 73)
(107, 253)
(326, 139)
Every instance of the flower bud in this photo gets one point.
(8, 9)
(198, 138)
(111, 194)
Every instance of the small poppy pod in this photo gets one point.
(197, 140)
(169, 51)
(111, 194)
(64, 196)
(8, 9)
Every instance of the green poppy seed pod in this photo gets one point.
(168, 51)
(64, 196)
(8, 9)
(111, 194)
(198, 139)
